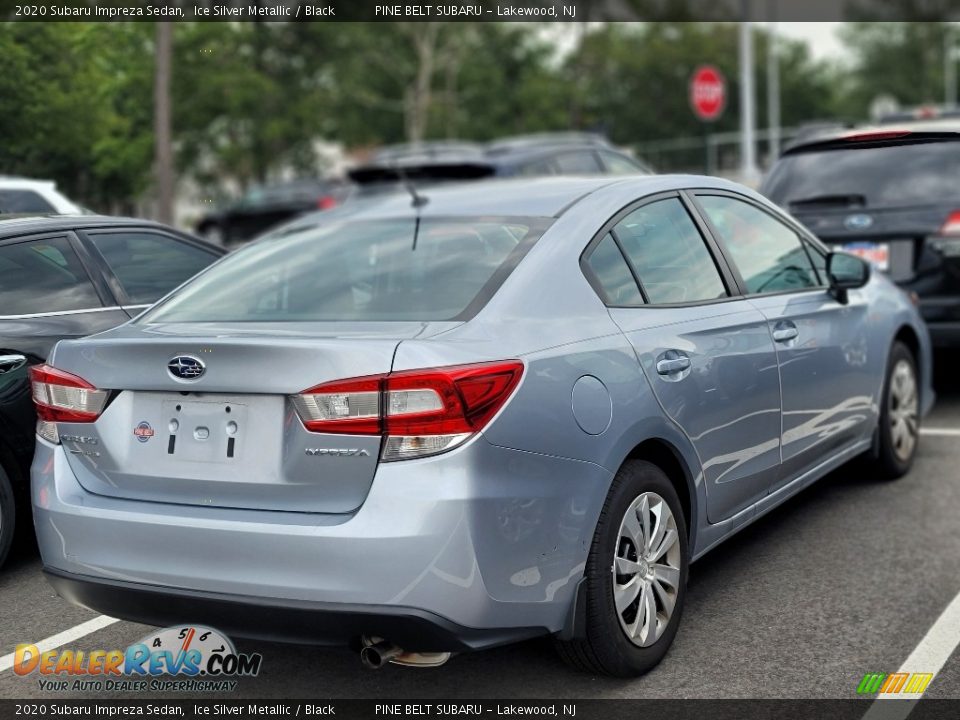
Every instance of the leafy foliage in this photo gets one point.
(251, 98)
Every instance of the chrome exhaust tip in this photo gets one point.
(377, 655)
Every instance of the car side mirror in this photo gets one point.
(846, 272)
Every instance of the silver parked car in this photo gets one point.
(503, 410)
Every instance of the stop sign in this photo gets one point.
(708, 92)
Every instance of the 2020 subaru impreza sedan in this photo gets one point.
(490, 413)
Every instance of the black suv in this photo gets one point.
(890, 194)
(65, 277)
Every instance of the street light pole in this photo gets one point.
(748, 123)
(773, 82)
(163, 142)
(949, 68)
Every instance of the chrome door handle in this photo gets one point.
(669, 366)
(785, 332)
(9, 363)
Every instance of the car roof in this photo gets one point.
(411, 152)
(512, 197)
(552, 141)
(466, 160)
(873, 135)
(13, 225)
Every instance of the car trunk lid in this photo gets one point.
(231, 437)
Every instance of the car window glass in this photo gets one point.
(536, 168)
(613, 274)
(769, 254)
(373, 270)
(669, 254)
(43, 276)
(620, 164)
(149, 265)
(24, 201)
(865, 177)
(581, 162)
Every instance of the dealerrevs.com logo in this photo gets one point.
(894, 683)
(190, 658)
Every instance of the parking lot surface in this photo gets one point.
(844, 579)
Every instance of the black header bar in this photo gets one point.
(544, 11)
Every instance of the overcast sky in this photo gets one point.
(821, 36)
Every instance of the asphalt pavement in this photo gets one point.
(844, 579)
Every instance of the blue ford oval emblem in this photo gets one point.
(858, 222)
(186, 367)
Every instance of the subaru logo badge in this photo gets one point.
(186, 367)
(858, 222)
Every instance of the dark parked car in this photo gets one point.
(890, 194)
(66, 277)
(268, 205)
(524, 156)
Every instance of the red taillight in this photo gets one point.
(62, 397)
(325, 202)
(421, 412)
(952, 225)
(459, 399)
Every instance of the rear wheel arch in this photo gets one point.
(668, 458)
(908, 336)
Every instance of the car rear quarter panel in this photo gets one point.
(547, 314)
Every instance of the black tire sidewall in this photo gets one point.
(617, 653)
(890, 465)
(8, 515)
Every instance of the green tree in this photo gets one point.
(900, 59)
(77, 110)
(635, 78)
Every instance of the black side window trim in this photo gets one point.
(730, 281)
(803, 235)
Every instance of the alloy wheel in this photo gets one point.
(646, 569)
(903, 410)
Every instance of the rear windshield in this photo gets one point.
(898, 175)
(421, 270)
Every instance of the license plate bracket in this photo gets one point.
(203, 431)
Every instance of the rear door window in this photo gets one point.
(770, 256)
(149, 265)
(43, 276)
(669, 254)
(611, 274)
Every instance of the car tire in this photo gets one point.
(606, 647)
(8, 514)
(898, 432)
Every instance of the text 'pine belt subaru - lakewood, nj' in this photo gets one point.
(511, 409)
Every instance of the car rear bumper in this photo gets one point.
(483, 538)
(279, 620)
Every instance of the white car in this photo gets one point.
(22, 195)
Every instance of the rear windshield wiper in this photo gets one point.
(845, 201)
